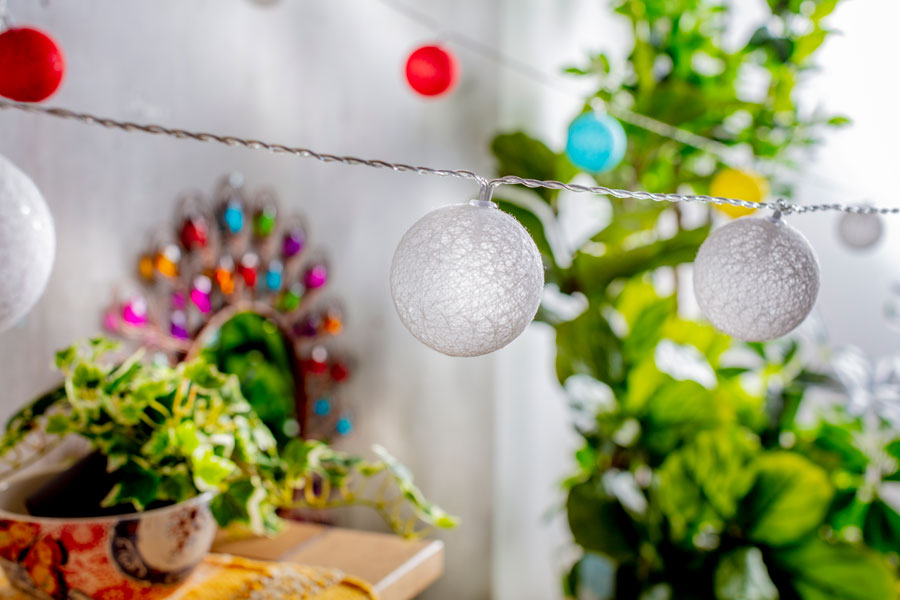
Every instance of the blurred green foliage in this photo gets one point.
(696, 479)
(252, 347)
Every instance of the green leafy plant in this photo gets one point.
(696, 479)
(171, 433)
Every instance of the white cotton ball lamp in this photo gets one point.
(467, 279)
(27, 244)
(860, 231)
(756, 279)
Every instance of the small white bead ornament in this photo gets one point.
(467, 279)
(756, 279)
(27, 244)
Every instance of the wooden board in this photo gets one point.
(396, 568)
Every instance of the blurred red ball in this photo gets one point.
(431, 70)
(31, 65)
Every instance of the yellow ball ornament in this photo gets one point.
(740, 185)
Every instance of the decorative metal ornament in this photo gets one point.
(467, 279)
(27, 244)
(241, 288)
(756, 278)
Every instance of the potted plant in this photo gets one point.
(696, 478)
(176, 446)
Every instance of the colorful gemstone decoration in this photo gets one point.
(274, 275)
(332, 324)
(194, 233)
(293, 243)
(344, 426)
(200, 293)
(290, 299)
(146, 269)
(264, 221)
(237, 256)
(178, 326)
(247, 269)
(322, 407)
(315, 277)
(233, 217)
(166, 261)
(179, 302)
(339, 372)
(111, 321)
(134, 312)
(306, 327)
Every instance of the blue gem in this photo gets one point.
(234, 218)
(322, 407)
(344, 426)
(273, 280)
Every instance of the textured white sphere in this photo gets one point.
(467, 279)
(756, 278)
(860, 231)
(27, 244)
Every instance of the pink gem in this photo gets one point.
(135, 312)
(315, 277)
(111, 321)
(201, 300)
(178, 301)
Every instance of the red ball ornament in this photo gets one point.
(31, 65)
(431, 70)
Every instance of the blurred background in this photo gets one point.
(491, 439)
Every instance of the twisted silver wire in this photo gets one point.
(779, 206)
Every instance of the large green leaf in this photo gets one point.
(599, 523)
(881, 530)
(520, 154)
(789, 499)
(587, 345)
(818, 570)
(679, 410)
(702, 483)
(593, 274)
(742, 575)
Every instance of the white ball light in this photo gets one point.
(27, 244)
(756, 278)
(860, 231)
(467, 279)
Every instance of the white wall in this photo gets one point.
(327, 75)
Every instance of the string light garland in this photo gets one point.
(780, 207)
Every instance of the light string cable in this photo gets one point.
(730, 156)
(780, 206)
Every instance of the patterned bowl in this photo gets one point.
(138, 556)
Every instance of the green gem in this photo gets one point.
(290, 300)
(264, 224)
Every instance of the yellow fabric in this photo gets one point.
(224, 577)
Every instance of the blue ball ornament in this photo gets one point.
(596, 142)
